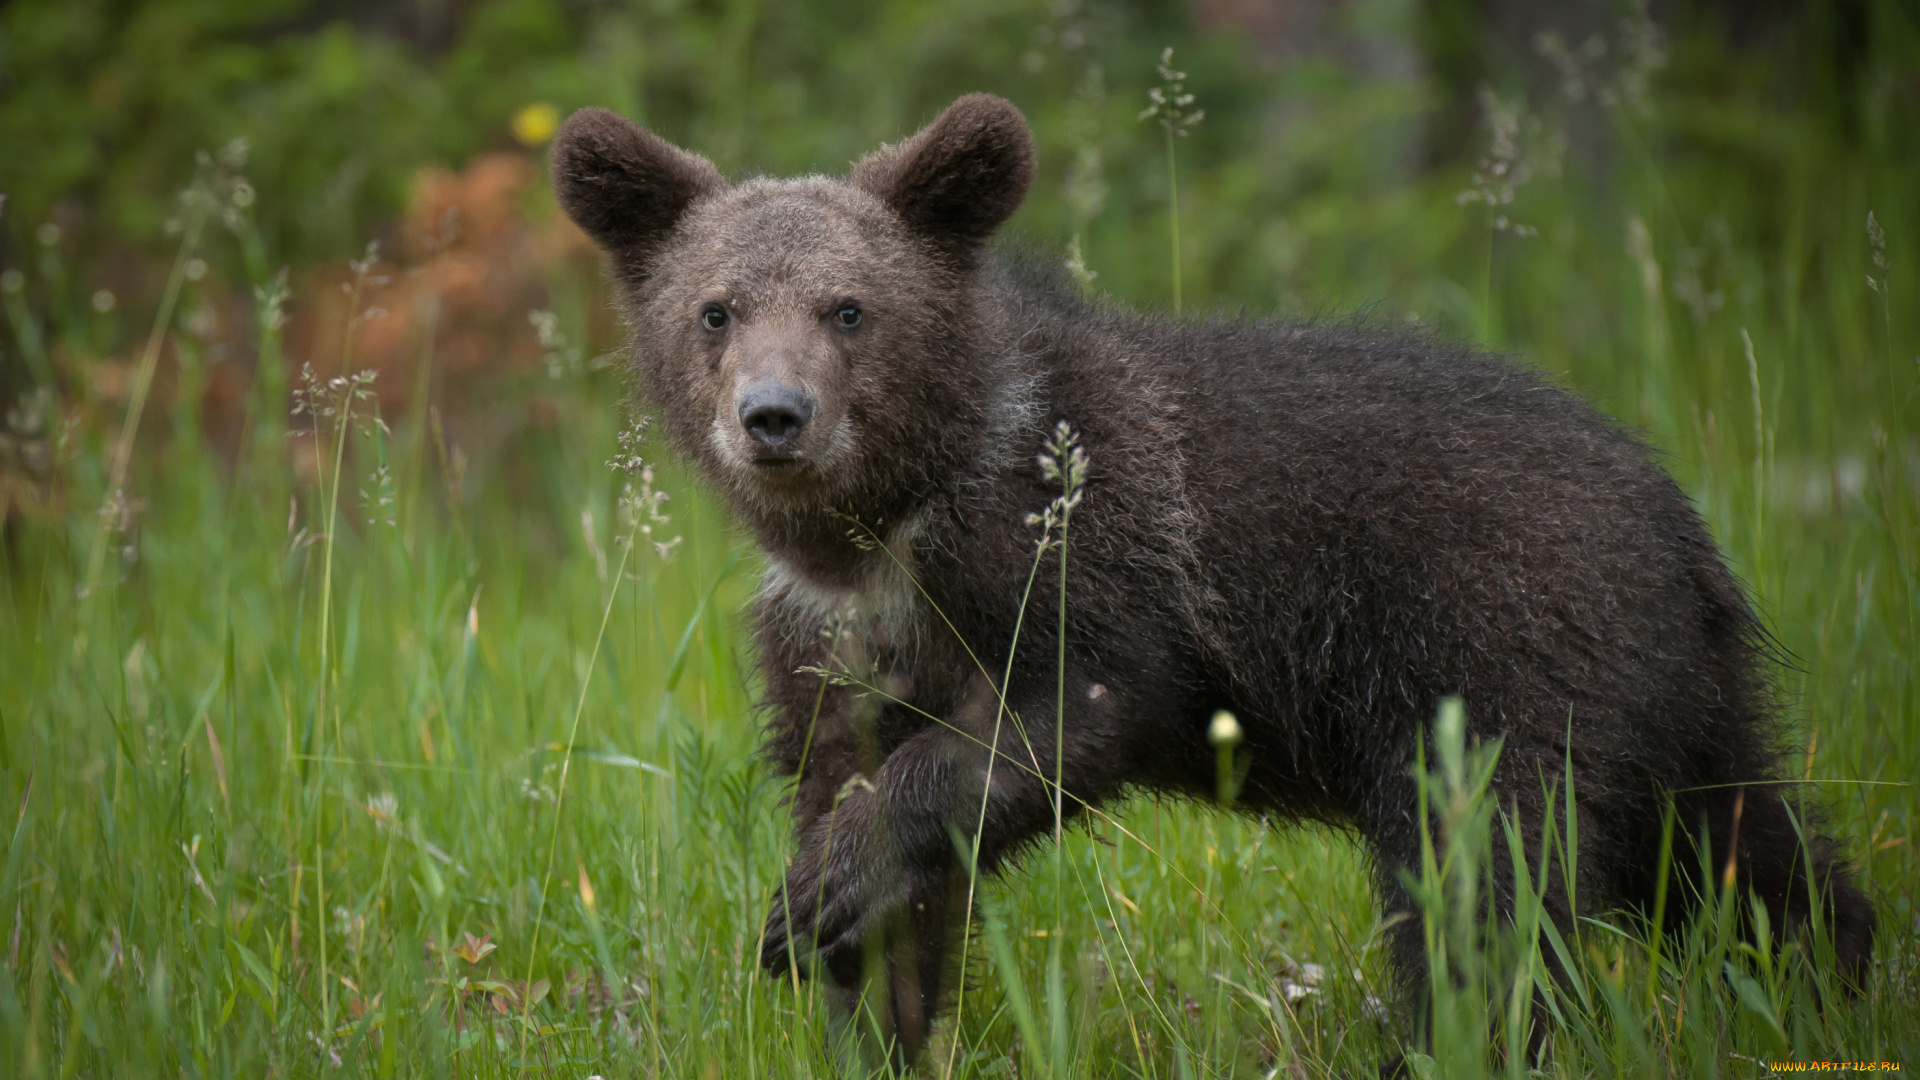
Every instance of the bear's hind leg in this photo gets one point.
(1398, 849)
(1773, 846)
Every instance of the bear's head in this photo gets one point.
(812, 343)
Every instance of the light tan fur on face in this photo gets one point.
(782, 341)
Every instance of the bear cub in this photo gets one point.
(1325, 528)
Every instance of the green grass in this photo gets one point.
(435, 775)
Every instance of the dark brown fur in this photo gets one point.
(1323, 527)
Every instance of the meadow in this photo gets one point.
(374, 696)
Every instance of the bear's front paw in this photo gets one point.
(847, 880)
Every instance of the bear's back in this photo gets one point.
(1383, 501)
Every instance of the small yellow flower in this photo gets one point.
(534, 124)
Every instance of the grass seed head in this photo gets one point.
(1064, 461)
(1171, 103)
(1503, 169)
(1877, 239)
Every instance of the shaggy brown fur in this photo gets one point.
(1323, 527)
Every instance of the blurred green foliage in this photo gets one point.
(114, 98)
(1324, 182)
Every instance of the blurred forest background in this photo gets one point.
(1325, 178)
(265, 623)
(1338, 134)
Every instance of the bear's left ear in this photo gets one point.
(960, 177)
(625, 186)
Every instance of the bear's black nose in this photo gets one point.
(775, 413)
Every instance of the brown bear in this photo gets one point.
(1322, 527)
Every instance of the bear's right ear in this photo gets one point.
(625, 186)
(960, 177)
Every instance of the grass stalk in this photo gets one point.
(1173, 219)
(120, 459)
(560, 791)
(1056, 937)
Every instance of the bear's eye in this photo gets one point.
(714, 318)
(848, 316)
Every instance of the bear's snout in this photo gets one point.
(773, 415)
